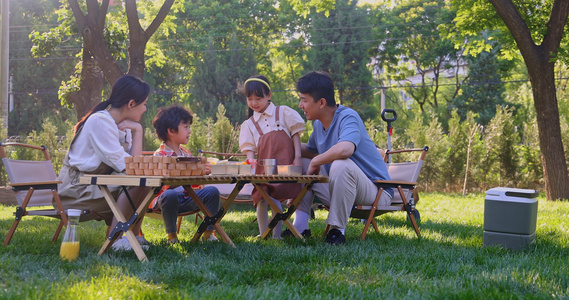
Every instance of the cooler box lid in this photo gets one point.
(504, 193)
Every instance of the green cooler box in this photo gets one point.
(510, 217)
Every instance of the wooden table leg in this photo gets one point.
(121, 219)
(278, 211)
(207, 214)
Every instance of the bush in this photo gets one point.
(432, 136)
(499, 155)
(57, 146)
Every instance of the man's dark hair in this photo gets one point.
(170, 118)
(317, 84)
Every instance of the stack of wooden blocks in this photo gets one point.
(165, 166)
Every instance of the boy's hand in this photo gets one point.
(207, 168)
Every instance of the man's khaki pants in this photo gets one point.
(347, 186)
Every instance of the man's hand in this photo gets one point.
(313, 169)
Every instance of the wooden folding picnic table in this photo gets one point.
(156, 182)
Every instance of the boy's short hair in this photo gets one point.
(317, 84)
(169, 118)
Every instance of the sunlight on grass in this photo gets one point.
(449, 260)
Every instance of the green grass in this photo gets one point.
(448, 262)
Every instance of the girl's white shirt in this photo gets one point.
(290, 121)
(100, 141)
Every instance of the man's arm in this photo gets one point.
(304, 151)
(342, 150)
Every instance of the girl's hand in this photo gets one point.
(297, 161)
(129, 124)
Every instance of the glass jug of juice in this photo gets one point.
(70, 244)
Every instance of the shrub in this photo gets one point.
(501, 140)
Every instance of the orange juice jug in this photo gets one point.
(70, 245)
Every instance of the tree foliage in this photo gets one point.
(34, 79)
(537, 29)
(410, 44)
(339, 46)
(203, 50)
(483, 88)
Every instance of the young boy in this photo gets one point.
(172, 126)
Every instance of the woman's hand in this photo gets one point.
(136, 131)
(129, 124)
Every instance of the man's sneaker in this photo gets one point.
(335, 237)
(122, 244)
(287, 233)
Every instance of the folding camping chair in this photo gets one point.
(403, 181)
(35, 185)
(224, 155)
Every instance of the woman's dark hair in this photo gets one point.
(257, 88)
(169, 118)
(318, 85)
(125, 89)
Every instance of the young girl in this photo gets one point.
(271, 132)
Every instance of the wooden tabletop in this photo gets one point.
(141, 180)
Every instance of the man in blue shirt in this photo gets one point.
(340, 147)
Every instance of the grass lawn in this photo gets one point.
(448, 262)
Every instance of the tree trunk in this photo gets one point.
(136, 48)
(90, 86)
(139, 37)
(538, 60)
(552, 154)
(92, 27)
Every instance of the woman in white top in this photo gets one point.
(103, 138)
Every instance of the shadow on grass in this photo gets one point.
(452, 233)
(34, 234)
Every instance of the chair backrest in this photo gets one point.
(406, 171)
(30, 171)
(221, 154)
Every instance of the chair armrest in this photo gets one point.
(225, 155)
(38, 185)
(35, 183)
(395, 184)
